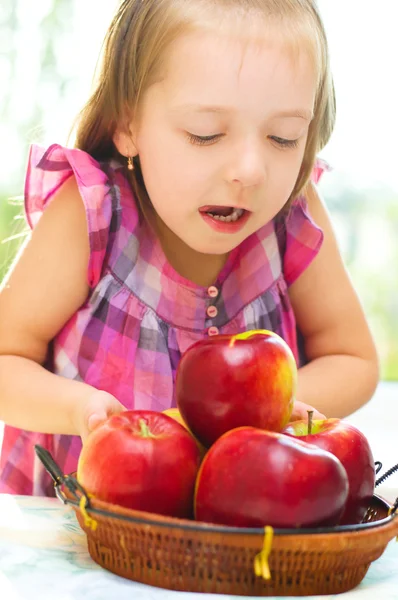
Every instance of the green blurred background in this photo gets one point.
(48, 53)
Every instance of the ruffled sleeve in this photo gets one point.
(47, 170)
(302, 238)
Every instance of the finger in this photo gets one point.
(299, 412)
(94, 421)
(296, 416)
(319, 416)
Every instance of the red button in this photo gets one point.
(212, 311)
(213, 331)
(212, 291)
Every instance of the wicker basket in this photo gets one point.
(196, 557)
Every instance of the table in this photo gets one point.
(43, 555)
(43, 551)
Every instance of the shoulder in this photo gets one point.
(94, 192)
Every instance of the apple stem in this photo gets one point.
(145, 429)
(310, 415)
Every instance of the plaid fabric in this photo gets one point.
(141, 315)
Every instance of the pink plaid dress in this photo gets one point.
(141, 315)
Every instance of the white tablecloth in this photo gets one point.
(43, 556)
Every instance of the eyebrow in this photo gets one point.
(305, 114)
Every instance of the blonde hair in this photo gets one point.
(135, 49)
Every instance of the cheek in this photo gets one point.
(285, 174)
(164, 179)
(277, 192)
(171, 175)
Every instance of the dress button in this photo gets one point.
(212, 311)
(212, 291)
(213, 331)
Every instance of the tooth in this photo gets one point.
(234, 216)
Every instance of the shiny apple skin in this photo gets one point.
(174, 413)
(352, 448)
(225, 382)
(254, 478)
(154, 474)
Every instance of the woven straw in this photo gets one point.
(196, 557)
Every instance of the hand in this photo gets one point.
(97, 409)
(300, 411)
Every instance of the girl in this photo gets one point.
(186, 209)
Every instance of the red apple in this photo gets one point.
(252, 478)
(229, 381)
(352, 448)
(141, 459)
(174, 413)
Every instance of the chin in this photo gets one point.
(214, 249)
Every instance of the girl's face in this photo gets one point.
(222, 136)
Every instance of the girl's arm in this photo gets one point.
(342, 372)
(46, 286)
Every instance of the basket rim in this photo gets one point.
(108, 510)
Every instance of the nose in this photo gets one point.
(247, 166)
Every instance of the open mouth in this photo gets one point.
(225, 214)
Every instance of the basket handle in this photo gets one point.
(394, 509)
(387, 474)
(59, 478)
(394, 469)
(49, 464)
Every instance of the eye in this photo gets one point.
(283, 143)
(203, 140)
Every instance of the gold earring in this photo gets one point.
(130, 164)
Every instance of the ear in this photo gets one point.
(124, 143)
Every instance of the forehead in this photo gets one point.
(253, 71)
